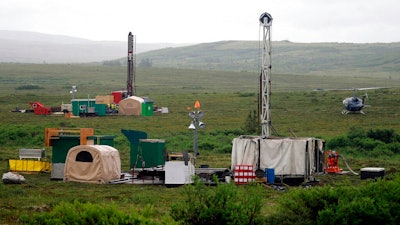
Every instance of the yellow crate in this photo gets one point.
(29, 165)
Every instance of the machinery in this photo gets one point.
(130, 82)
(332, 162)
(40, 109)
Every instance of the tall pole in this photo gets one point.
(130, 82)
(195, 124)
(265, 81)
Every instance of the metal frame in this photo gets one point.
(265, 95)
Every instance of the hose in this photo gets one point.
(348, 165)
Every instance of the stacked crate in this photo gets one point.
(244, 174)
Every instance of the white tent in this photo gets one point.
(289, 157)
(92, 164)
(131, 106)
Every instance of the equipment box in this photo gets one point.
(244, 174)
(372, 172)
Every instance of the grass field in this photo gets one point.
(226, 98)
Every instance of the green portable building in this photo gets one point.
(150, 153)
(61, 146)
(101, 109)
(83, 106)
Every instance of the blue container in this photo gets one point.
(270, 174)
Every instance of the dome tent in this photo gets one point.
(92, 164)
(131, 106)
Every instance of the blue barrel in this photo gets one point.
(270, 174)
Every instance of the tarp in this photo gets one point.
(131, 106)
(92, 164)
(289, 157)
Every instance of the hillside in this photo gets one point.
(32, 47)
(287, 57)
(347, 59)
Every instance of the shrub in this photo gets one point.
(356, 132)
(375, 143)
(223, 204)
(88, 213)
(338, 142)
(366, 144)
(374, 203)
(386, 136)
(28, 87)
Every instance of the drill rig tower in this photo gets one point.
(265, 79)
(130, 82)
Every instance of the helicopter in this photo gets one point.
(353, 104)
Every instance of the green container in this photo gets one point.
(150, 153)
(102, 140)
(82, 106)
(101, 109)
(61, 146)
(134, 136)
(147, 109)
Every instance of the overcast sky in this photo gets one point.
(186, 21)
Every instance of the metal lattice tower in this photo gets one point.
(265, 79)
(130, 82)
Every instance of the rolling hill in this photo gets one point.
(287, 57)
(33, 47)
(345, 59)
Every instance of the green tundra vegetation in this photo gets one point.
(229, 100)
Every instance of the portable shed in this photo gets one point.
(131, 106)
(92, 164)
(289, 157)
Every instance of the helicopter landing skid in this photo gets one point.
(345, 112)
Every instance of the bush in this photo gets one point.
(366, 144)
(356, 132)
(374, 203)
(375, 143)
(386, 136)
(223, 204)
(88, 213)
(28, 87)
(338, 142)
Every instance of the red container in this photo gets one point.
(244, 174)
(118, 96)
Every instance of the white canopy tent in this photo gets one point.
(289, 157)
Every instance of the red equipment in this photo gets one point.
(331, 162)
(40, 109)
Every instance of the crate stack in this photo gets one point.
(244, 174)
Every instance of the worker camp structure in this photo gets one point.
(92, 164)
(131, 106)
(299, 158)
(136, 106)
